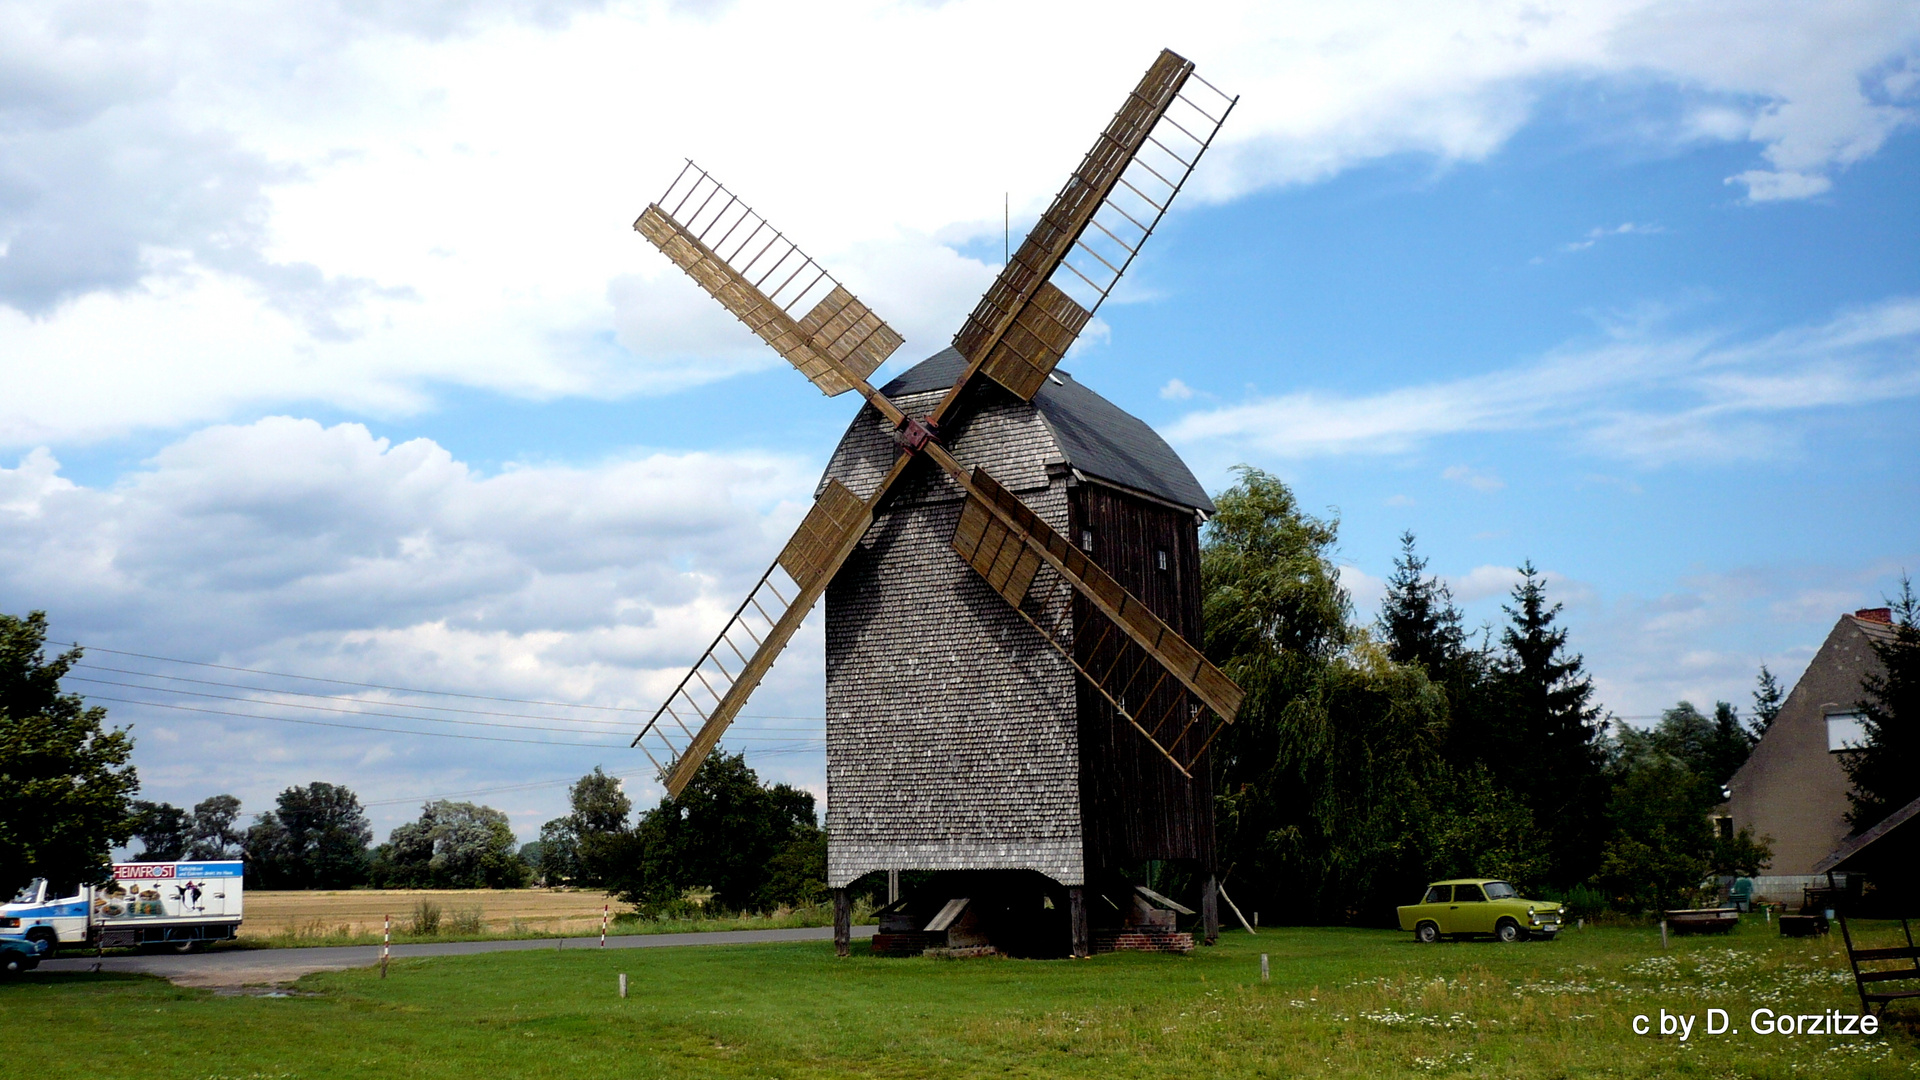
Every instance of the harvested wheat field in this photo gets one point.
(358, 912)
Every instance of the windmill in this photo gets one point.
(998, 700)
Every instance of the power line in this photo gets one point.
(380, 686)
(384, 715)
(340, 697)
(354, 727)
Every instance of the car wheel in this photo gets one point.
(184, 947)
(44, 939)
(1507, 930)
(1426, 933)
(13, 965)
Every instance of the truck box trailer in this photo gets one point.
(173, 903)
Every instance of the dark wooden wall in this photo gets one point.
(1134, 804)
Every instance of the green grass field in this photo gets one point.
(1360, 1003)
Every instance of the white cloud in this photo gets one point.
(1641, 397)
(214, 207)
(1597, 234)
(1175, 390)
(323, 551)
(1705, 639)
(1478, 481)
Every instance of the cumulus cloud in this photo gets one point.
(324, 551)
(1704, 639)
(358, 203)
(1641, 396)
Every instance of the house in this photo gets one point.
(1793, 788)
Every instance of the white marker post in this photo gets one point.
(386, 945)
(604, 909)
(1265, 975)
(623, 984)
(1663, 935)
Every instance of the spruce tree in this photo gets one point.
(1550, 751)
(1882, 771)
(1418, 622)
(1767, 699)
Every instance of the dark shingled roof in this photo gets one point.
(1097, 436)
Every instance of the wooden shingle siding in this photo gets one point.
(951, 734)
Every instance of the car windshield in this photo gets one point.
(1500, 890)
(28, 895)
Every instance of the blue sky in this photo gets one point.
(331, 351)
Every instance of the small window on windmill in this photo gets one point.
(1160, 558)
(1086, 539)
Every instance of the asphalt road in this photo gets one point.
(251, 967)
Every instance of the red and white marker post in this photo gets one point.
(386, 945)
(604, 909)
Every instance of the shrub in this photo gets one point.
(426, 918)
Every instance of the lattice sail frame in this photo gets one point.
(732, 252)
(1035, 569)
(1077, 252)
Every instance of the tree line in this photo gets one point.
(1371, 757)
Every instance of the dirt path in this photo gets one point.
(226, 968)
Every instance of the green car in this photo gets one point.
(1463, 906)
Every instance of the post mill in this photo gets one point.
(1011, 569)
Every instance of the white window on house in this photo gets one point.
(1086, 539)
(1845, 731)
(1160, 558)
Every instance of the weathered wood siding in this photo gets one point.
(1135, 804)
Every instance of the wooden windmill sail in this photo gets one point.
(1066, 267)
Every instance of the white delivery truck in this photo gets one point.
(181, 904)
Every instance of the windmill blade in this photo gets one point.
(1063, 271)
(1011, 547)
(687, 727)
(733, 253)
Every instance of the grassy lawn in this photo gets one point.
(1360, 1003)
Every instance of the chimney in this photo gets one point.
(1875, 614)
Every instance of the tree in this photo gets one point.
(1549, 751)
(66, 787)
(582, 847)
(1327, 776)
(315, 838)
(753, 845)
(163, 831)
(1882, 770)
(1421, 625)
(1269, 587)
(1713, 749)
(213, 832)
(454, 845)
(1767, 699)
(1418, 620)
(1661, 845)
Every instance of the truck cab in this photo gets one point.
(46, 915)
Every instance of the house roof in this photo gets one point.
(1884, 632)
(1893, 841)
(1097, 437)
